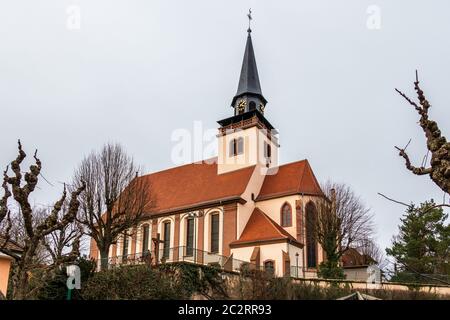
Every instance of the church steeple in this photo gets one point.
(249, 95)
(247, 138)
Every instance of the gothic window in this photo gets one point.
(189, 236)
(286, 215)
(311, 244)
(269, 266)
(166, 241)
(145, 238)
(252, 106)
(215, 233)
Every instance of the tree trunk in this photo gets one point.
(21, 288)
(104, 258)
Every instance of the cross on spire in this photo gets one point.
(249, 16)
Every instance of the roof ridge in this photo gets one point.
(183, 165)
(314, 177)
(301, 179)
(290, 163)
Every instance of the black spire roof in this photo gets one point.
(249, 79)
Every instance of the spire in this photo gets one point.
(249, 79)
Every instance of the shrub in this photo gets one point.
(144, 282)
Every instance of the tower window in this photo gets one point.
(267, 150)
(236, 146)
(252, 105)
(240, 145)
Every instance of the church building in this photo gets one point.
(239, 209)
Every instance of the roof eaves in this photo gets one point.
(197, 206)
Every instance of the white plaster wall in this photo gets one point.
(292, 251)
(267, 252)
(272, 208)
(358, 274)
(245, 210)
(253, 150)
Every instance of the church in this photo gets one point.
(239, 209)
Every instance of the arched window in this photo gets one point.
(145, 238)
(166, 239)
(252, 105)
(215, 222)
(236, 146)
(190, 237)
(125, 247)
(311, 243)
(286, 215)
(233, 148)
(267, 150)
(240, 145)
(269, 266)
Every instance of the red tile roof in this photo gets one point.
(260, 228)
(198, 184)
(195, 184)
(292, 178)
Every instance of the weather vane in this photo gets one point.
(249, 15)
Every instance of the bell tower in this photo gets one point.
(247, 138)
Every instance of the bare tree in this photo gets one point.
(342, 222)
(115, 198)
(58, 242)
(437, 145)
(34, 233)
(371, 253)
(17, 233)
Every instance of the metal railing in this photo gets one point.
(301, 272)
(179, 254)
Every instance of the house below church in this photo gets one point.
(239, 208)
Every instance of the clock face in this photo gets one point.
(241, 106)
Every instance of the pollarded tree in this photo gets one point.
(437, 145)
(115, 199)
(20, 187)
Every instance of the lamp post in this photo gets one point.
(296, 268)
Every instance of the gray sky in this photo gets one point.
(137, 70)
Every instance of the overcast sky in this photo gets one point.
(136, 70)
